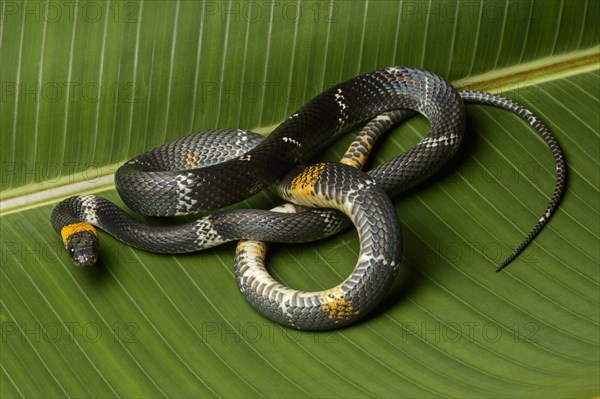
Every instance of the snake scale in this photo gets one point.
(216, 168)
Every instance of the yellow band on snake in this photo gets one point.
(73, 228)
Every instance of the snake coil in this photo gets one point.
(213, 169)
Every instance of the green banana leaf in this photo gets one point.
(88, 85)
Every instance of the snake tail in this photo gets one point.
(475, 97)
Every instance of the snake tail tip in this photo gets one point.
(506, 262)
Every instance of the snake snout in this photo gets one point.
(83, 248)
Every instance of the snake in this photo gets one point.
(213, 169)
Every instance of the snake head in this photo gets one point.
(83, 248)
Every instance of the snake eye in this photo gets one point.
(83, 248)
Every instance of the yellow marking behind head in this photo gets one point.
(73, 228)
(336, 306)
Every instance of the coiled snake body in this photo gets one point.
(213, 169)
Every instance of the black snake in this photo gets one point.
(213, 169)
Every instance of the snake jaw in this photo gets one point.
(83, 248)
